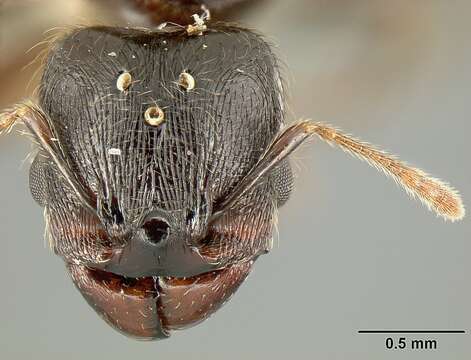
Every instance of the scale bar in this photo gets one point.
(412, 332)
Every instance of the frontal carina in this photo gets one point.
(163, 158)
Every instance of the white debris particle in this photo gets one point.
(205, 46)
(199, 25)
(113, 54)
(198, 19)
(114, 152)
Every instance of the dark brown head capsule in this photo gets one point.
(152, 162)
(160, 199)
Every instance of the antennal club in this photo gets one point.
(435, 194)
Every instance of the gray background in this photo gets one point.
(353, 252)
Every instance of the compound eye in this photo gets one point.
(37, 179)
(156, 230)
(283, 181)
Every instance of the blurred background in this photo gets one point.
(353, 252)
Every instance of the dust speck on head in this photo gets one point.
(199, 26)
(114, 152)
